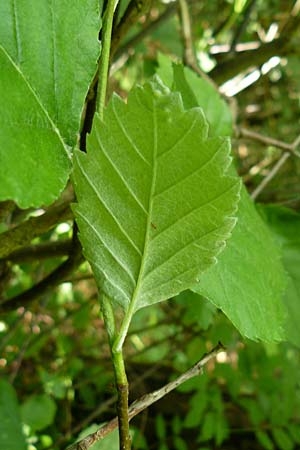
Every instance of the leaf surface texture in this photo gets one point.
(154, 206)
(47, 62)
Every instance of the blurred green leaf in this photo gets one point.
(38, 412)
(11, 436)
(282, 439)
(264, 439)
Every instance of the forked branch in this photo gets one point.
(147, 400)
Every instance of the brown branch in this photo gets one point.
(134, 11)
(273, 172)
(149, 28)
(59, 275)
(24, 233)
(241, 61)
(240, 29)
(44, 250)
(266, 140)
(189, 58)
(145, 401)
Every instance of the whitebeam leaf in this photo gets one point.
(48, 57)
(154, 206)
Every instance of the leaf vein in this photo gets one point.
(94, 189)
(192, 211)
(104, 150)
(126, 134)
(108, 249)
(198, 170)
(179, 141)
(188, 244)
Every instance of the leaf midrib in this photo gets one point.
(54, 127)
(135, 296)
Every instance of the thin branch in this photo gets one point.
(186, 29)
(133, 12)
(148, 29)
(289, 150)
(266, 140)
(59, 275)
(270, 175)
(24, 233)
(44, 250)
(189, 53)
(240, 29)
(105, 55)
(145, 401)
(237, 63)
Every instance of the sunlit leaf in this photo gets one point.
(154, 204)
(47, 63)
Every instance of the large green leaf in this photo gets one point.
(286, 227)
(11, 436)
(239, 283)
(154, 206)
(48, 55)
(248, 281)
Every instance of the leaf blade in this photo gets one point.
(47, 64)
(132, 191)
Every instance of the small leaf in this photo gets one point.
(154, 206)
(208, 428)
(38, 412)
(160, 427)
(264, 439)
(11, 435)
(282, 439)
(47, 63)
(197, 91)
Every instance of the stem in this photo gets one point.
(105, 55)
(120, 375)
(122, 404)
(146, 400)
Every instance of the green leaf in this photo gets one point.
(264, 439)
(47, 63)
(248, 281)
(154, 206)
(197, 91)
(208, 427)
(282, 439)
(285, 225)
(160, 427)
(239, 283)
(11, 435)
(38, 412)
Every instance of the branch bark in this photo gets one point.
(24, 233)
(60, 274)
(145, 401)
(44, 250)
(134, 11)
